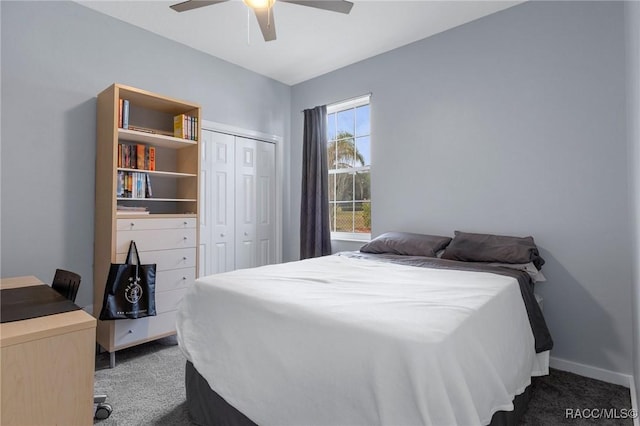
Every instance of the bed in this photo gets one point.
(363, 338)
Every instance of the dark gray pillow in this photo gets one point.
(406, 243)
(470, 247)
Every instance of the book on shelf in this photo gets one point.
(131, 210)
(120, 184)
(136, 156)
(178, 126)
(133, 185)
(152, 158)
(142, 129)
(185, 127)
(148, 191)
(140, 156)
(125, 114)
(120, 113)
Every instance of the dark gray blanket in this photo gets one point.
(536, 319)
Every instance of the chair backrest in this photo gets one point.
(66, 283)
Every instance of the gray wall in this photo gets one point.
(56, 57)
(512, 124)
(632, 14)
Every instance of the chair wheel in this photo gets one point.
(103, 411)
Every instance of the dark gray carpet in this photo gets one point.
(147, 388)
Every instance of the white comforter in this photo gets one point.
(341, 341)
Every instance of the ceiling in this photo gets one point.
(310, 42)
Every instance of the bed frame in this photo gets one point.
(206, 407)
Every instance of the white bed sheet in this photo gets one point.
(341, 341)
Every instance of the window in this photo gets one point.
(349, 160)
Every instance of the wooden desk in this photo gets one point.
(47, 367)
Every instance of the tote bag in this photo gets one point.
(130, 289)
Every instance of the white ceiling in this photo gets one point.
(310, 42)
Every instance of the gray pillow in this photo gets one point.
(470, 247)
(407, 244)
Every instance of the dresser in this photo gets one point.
(170, 243)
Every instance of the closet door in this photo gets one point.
(218, 218)
(246, 171)
(265, 204)
(238, 219)
(206, 195)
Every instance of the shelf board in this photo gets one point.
(156, 215)
(156, 199)
(154, 139)
(159, 173)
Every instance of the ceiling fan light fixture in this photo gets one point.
(259, 4)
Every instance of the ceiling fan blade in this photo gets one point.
(267, 23)
(341, 6)
(194, 4)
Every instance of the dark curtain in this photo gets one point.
(315, 235)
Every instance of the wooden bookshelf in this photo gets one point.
(173, 207)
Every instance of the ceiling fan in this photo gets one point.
(264, 12)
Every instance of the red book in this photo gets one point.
(140, 157)
(152, 158)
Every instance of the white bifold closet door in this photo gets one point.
(238, 227)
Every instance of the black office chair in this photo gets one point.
(67, 283)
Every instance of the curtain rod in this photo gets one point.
(348, 99)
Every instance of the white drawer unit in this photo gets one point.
(170, 243)
(152, 239)
(167, 301)
(131, 332)
(174, 279)
(142, 224)
(166, 259)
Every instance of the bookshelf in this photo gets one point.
(147, 189)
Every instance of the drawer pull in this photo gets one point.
(184, 278)
(184, 258)
(130, 332)
(132, 224)
(246, 234)
(222, 235)
(185, 238)
(184, 223)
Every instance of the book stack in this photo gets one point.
(136, 156)
(131, 210)
(185, 127)
(133, 185)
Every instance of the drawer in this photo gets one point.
(156, 239)
(174, 279)
(130, 331)
(168, 301)
(166, 259)
(148, 223)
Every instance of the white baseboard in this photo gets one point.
(634, 400)
(591, 372)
